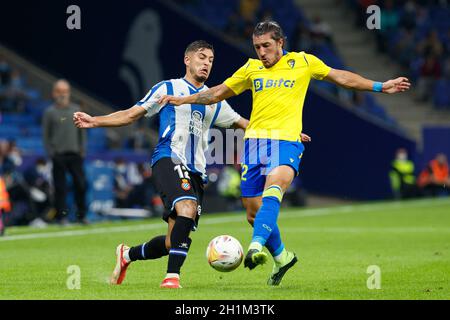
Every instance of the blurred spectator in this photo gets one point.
(13, 95)
(229, 185)
(38, 178)
(5, 205)
(405, 47)
(248, 10)
(431, 45)
(134, 188)
(14, 153)
(435, 179)
(403, 181)
(7, 163)
(122, 187)
(430, 71)
(144, 195)
(23, 206)
(416, 33)
(65, 144)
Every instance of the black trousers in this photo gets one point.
(73, 164)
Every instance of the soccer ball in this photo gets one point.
(224, 253)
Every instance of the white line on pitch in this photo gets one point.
(239, 217)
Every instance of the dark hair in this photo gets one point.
(197, 45)
(270, 26)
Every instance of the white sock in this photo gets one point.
(279, 258)
(173, 275)
(126, 256)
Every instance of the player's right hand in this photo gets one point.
(83, 120)
(305, 138)
(165, 99)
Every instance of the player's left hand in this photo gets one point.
(400, 84)
(305, 138)
(165, 99)
(83, 120)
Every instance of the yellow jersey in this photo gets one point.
(278, 93)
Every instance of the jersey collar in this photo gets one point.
(191, 85)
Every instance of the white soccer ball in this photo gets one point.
(224, 253)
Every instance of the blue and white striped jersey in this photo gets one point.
(184, 129)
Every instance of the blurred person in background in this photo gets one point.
(5, 204)
(65, 144)
(434, 180)
(38, 177)
(23, 207)
(229, 185)
(403, 180)
(122, 187)
(430, 72)
(144, 194)
(133, 187)
(13, 95)
(431, 45)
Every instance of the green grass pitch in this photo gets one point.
(408, 241)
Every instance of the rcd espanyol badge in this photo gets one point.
(185, 185)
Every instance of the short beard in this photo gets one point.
(198, 78)
(277, 58)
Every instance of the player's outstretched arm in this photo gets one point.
(350, 80)
(116, 119)
(210, 96)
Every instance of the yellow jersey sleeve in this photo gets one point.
(239, 81)
(318, 68)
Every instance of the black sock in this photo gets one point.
(154, 249)
(180, 243)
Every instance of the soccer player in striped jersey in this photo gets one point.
(178, 160)
(279, 81)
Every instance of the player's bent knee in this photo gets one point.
(281, 176)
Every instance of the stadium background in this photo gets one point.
(122, 50)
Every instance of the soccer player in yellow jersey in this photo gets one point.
(272, 149)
